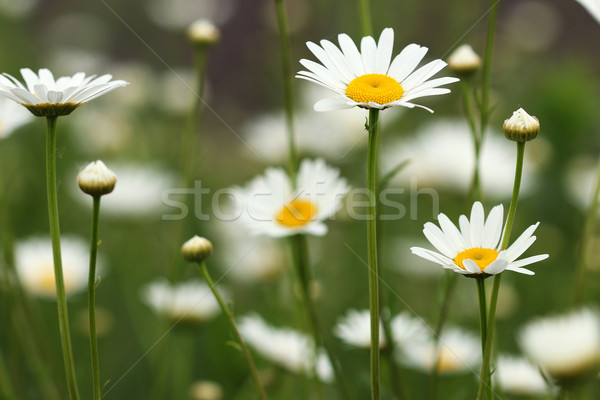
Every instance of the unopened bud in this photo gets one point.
(203, 32)
(464, 60)
(197, 249)
(96, 179)
(521, 127)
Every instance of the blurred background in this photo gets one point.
(545, 60)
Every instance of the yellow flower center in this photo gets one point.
(296, 213)
(448, 361)
(481, 257)
(376, 88)
(46, 282)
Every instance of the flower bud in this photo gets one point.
(521, 127)
(96, 179)
(203, 32)
(464, 61)
(197, 249)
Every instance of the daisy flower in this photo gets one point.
(369, 78)
(46, 97)
(270, 206)
(354, 329)
(285, 347)
(474, 250)
(12, 116)
(565, 346)
(519, 377)
(34, 264)
(190, 301)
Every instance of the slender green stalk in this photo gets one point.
(588, 233)
(482, 312)
(61, 298)
(300, 253)
(465, 89)
(372, 127)
(389, 351)
(236, 333)
(364, 12)
(487, 65)
(6, 389)
(92, 298)
(288, 89)
(449, 287)
(486, 384)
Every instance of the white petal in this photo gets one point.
(332, 104)
(528, 260)
(352, 54)
(431, 256)
(521, 244)
(451, 232)
(521, 270)
(384, 51)
(422, 74)
(465, 229)
(406, 62)
(41, 92)
(425, 93)
(496, 266)
(493, 228)
(471, 266)
(30, 78)
(25, 96)
(323, 74)
(437, 238)
(54, 97)
(11, 96)
(47, 78)
(368, 52)
(476, 224)
(338, 58)
(325, 59)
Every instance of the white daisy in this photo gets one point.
(12, 116)
(579, 181)
(474, 250)
(407, 330)
(564, 346)
(190, 301)
(46, 97)
(517, 376)
(459, 351)
(34, 264)
(354, 329)
(287, 348)
(367, 78)
(270, 206)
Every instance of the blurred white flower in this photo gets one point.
(206, 390)
(34, 264)
(78, 59)
(408, 329)
(564, 346)
(442, 155)
(459, 351)
(179, 14)
(593, 7)
(12, 116)
(580, 180)
(534, 25)
(354, 329)
(249, 259)
(102, 130)
(190, 301)
(46, 97)
(517, 376)
(316, 134)
(178, 89)
(270, 206)
(285, 347)
(139, 192)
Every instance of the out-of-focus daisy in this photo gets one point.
(369, 78)
(35, 265)
(320, 134)
(431, 165)
(580, 180)
(407, 330)
(248, 259)
(459, 351)
(46, 97)
(354, 329)
(593, 7)
(269, 205)
(474, 250)
(12, 116)
(190, 301)
(139, 193)
(517, 376)
(565, 346)
(287, 348)
(102, 130)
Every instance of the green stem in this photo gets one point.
(372, 127)
(364, 12)
(390, 352)
(482, 312)
(92, 298)
(465, 86)
(447, 298)
(487, 66)
(487, 354)
(61, 298)
(300, 252)
(288, 90)
(588, 233)
(6, 390)
(236, 333)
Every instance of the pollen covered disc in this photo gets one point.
(481, 257)
(376, 88)
(296, 213)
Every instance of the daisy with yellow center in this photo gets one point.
(474, 250)
(369, 78)
(270, 206)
